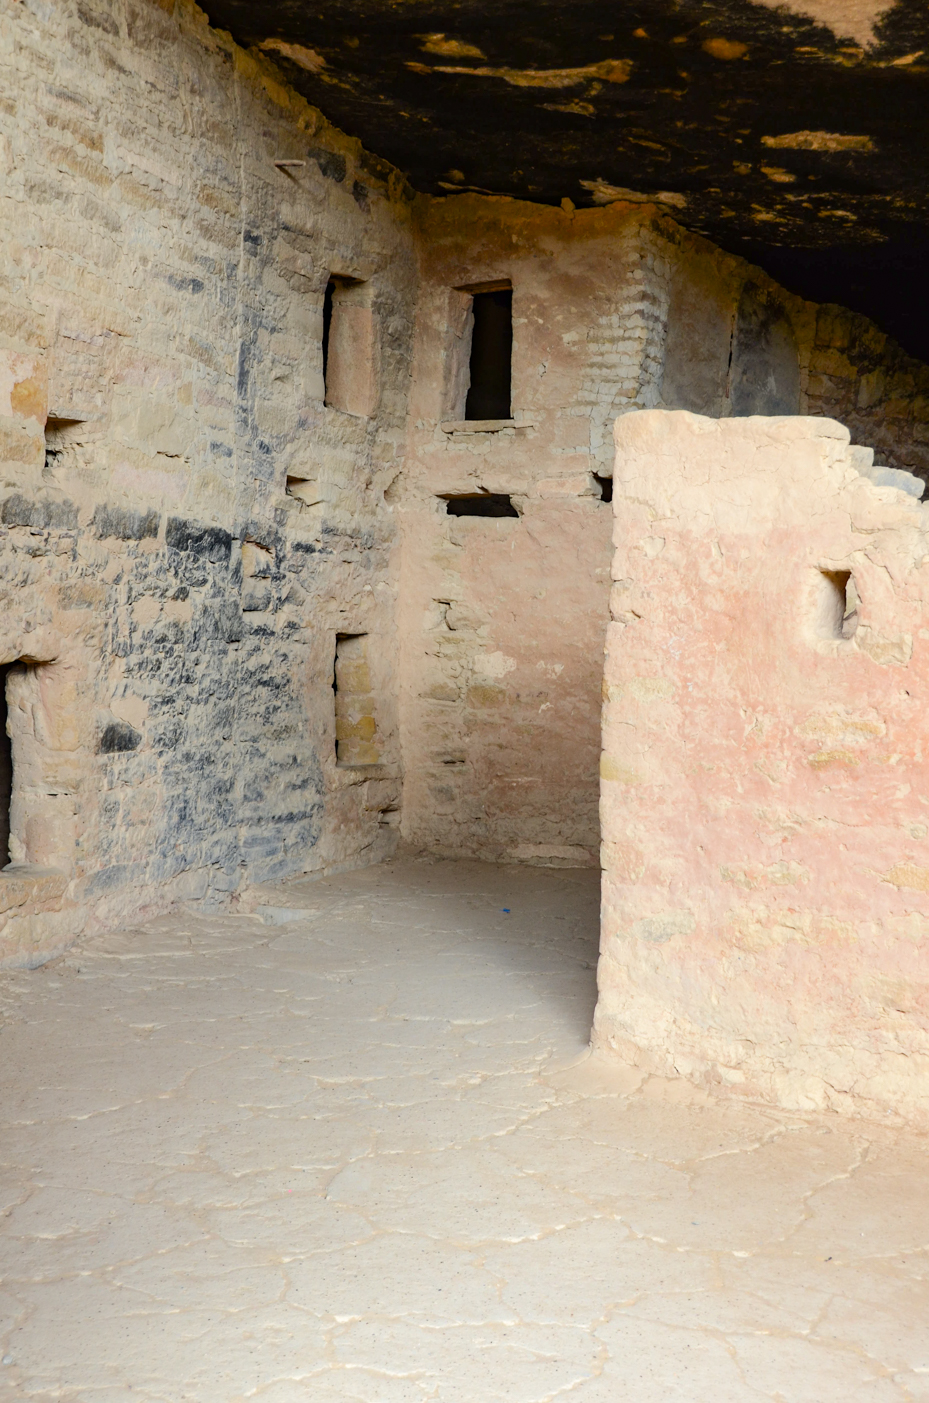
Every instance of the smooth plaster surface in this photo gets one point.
(325, 1152)
(765, 924)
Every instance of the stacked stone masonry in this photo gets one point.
(191, 517)
(175, 606)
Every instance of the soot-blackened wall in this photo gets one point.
(174, 605)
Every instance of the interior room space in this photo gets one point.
(464, 886)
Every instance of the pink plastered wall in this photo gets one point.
(765, 767)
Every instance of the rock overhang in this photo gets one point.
(795, 136)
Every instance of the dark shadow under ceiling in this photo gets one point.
(804, 152)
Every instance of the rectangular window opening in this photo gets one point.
(357, 740)
(348, 346)
(480, 504)
(606, 487)
(838, 604)
(491, 355)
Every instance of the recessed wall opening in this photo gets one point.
(838, 604)
(59, 434)
(304, 489)
(606, 487)
(348, 346)
(6, 768)
(491, 355)
(480, 504)
(357, 740)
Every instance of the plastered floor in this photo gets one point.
(324, 1152)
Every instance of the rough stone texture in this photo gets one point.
(733, 342)
(329, 1155)
(190, 517)
(765, 923)
(503, 620)
(173, 730)
(860, 377)
(796, 135)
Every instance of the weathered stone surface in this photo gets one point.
(794, 134)
(765, 923)
(207, 512)
(173, 724)
(503, 620)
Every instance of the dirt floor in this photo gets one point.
(347, 1146)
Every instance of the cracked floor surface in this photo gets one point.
(336, 1150)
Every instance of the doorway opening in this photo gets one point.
(6, 768)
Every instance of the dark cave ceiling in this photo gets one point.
(803, 146)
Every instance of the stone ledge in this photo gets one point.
(42, 887)
(483, 426)
(38, 920)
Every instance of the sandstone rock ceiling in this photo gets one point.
(799, 142)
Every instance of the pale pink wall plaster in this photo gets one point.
(764, 783)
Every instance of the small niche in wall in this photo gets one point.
(348, 346)
(357, 740)
(490, 364)
(304, 489)
(606, 487)
(837, 612)
(60, 434)
(480, 504)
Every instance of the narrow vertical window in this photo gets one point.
(491, 355)
(838, 604)
(348, 347)
(357, 741)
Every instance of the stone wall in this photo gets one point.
(734, 342)
(503, 620)
(765, 918)
(192, 522)
(862, 378)
(185, 527)
(614, 310)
